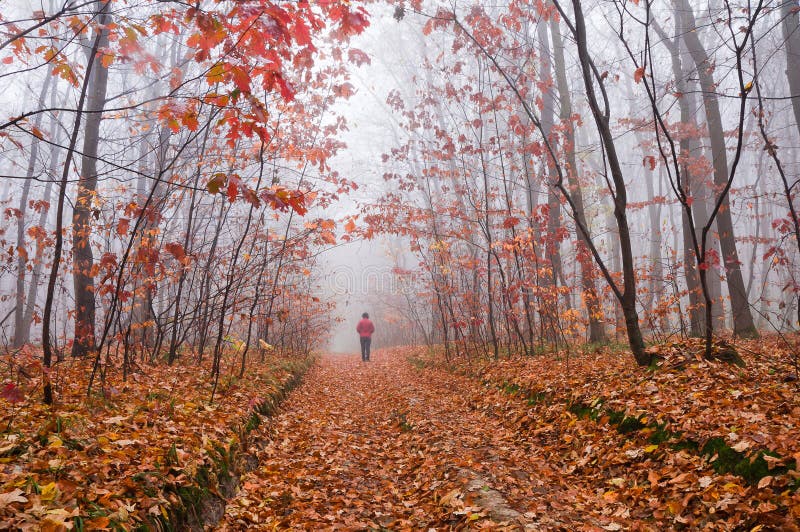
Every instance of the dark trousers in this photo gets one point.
(365, 348)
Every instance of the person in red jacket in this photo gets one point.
(365, 328)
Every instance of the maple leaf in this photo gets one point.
(12, 393)
(122, 226)
(358, 57)
(176, 250)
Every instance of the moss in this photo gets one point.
(223, 459)
(535, 398)
(615, 417)
(191, 498)
(725, 352)
(253, 422)
(685, 445)
(171, 456)
(725, 459)
(630, 424)
(593, 411)
(582, 410)
(661, 434)
(417, 362)
(153, 396)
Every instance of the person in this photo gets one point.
(365, 328)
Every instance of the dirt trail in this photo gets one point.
(362, 446)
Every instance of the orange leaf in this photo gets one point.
(122, 226)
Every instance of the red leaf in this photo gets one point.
(233, 190)
(358, 57)
(11, 393)
(176, 250)
(122, 226)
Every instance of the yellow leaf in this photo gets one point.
(675, 507)
(215, 74)
(54, 441)
(49, 492)
(650, 448)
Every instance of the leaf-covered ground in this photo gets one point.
(697, 444)
(585, 442)
(148, 451)
(542, 443)
(384, 444)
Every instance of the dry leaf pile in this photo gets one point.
(146, 450)
(386, 445)
(695, 443)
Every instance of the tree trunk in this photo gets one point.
(588, 274)
(655, 290)
(21, 328)
(83, 258)
(742, 318)
(47, 347)
(552, 239)
(626, 296)
(790, 12)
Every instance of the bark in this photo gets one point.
(626, 296)
(552, 240)
(790, 12)
(655, 291)
(33, 284)
(21, 328)
(47, 347)
(742, 318)
(588, 274)
(83, 258)
(142, 314)
(689, 148)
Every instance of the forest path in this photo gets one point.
(361, 446)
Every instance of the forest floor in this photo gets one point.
(407, 441)
(383, 445)
(147, 450)
(578, 440)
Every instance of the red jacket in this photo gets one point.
(365, 328)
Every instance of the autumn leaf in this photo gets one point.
(216, 183)
(106, 59)
(11, 497)
(122, 226)
(176, 250)
(358, 57)
(11, 393)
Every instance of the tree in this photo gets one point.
(742, 318)
(83, 257)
